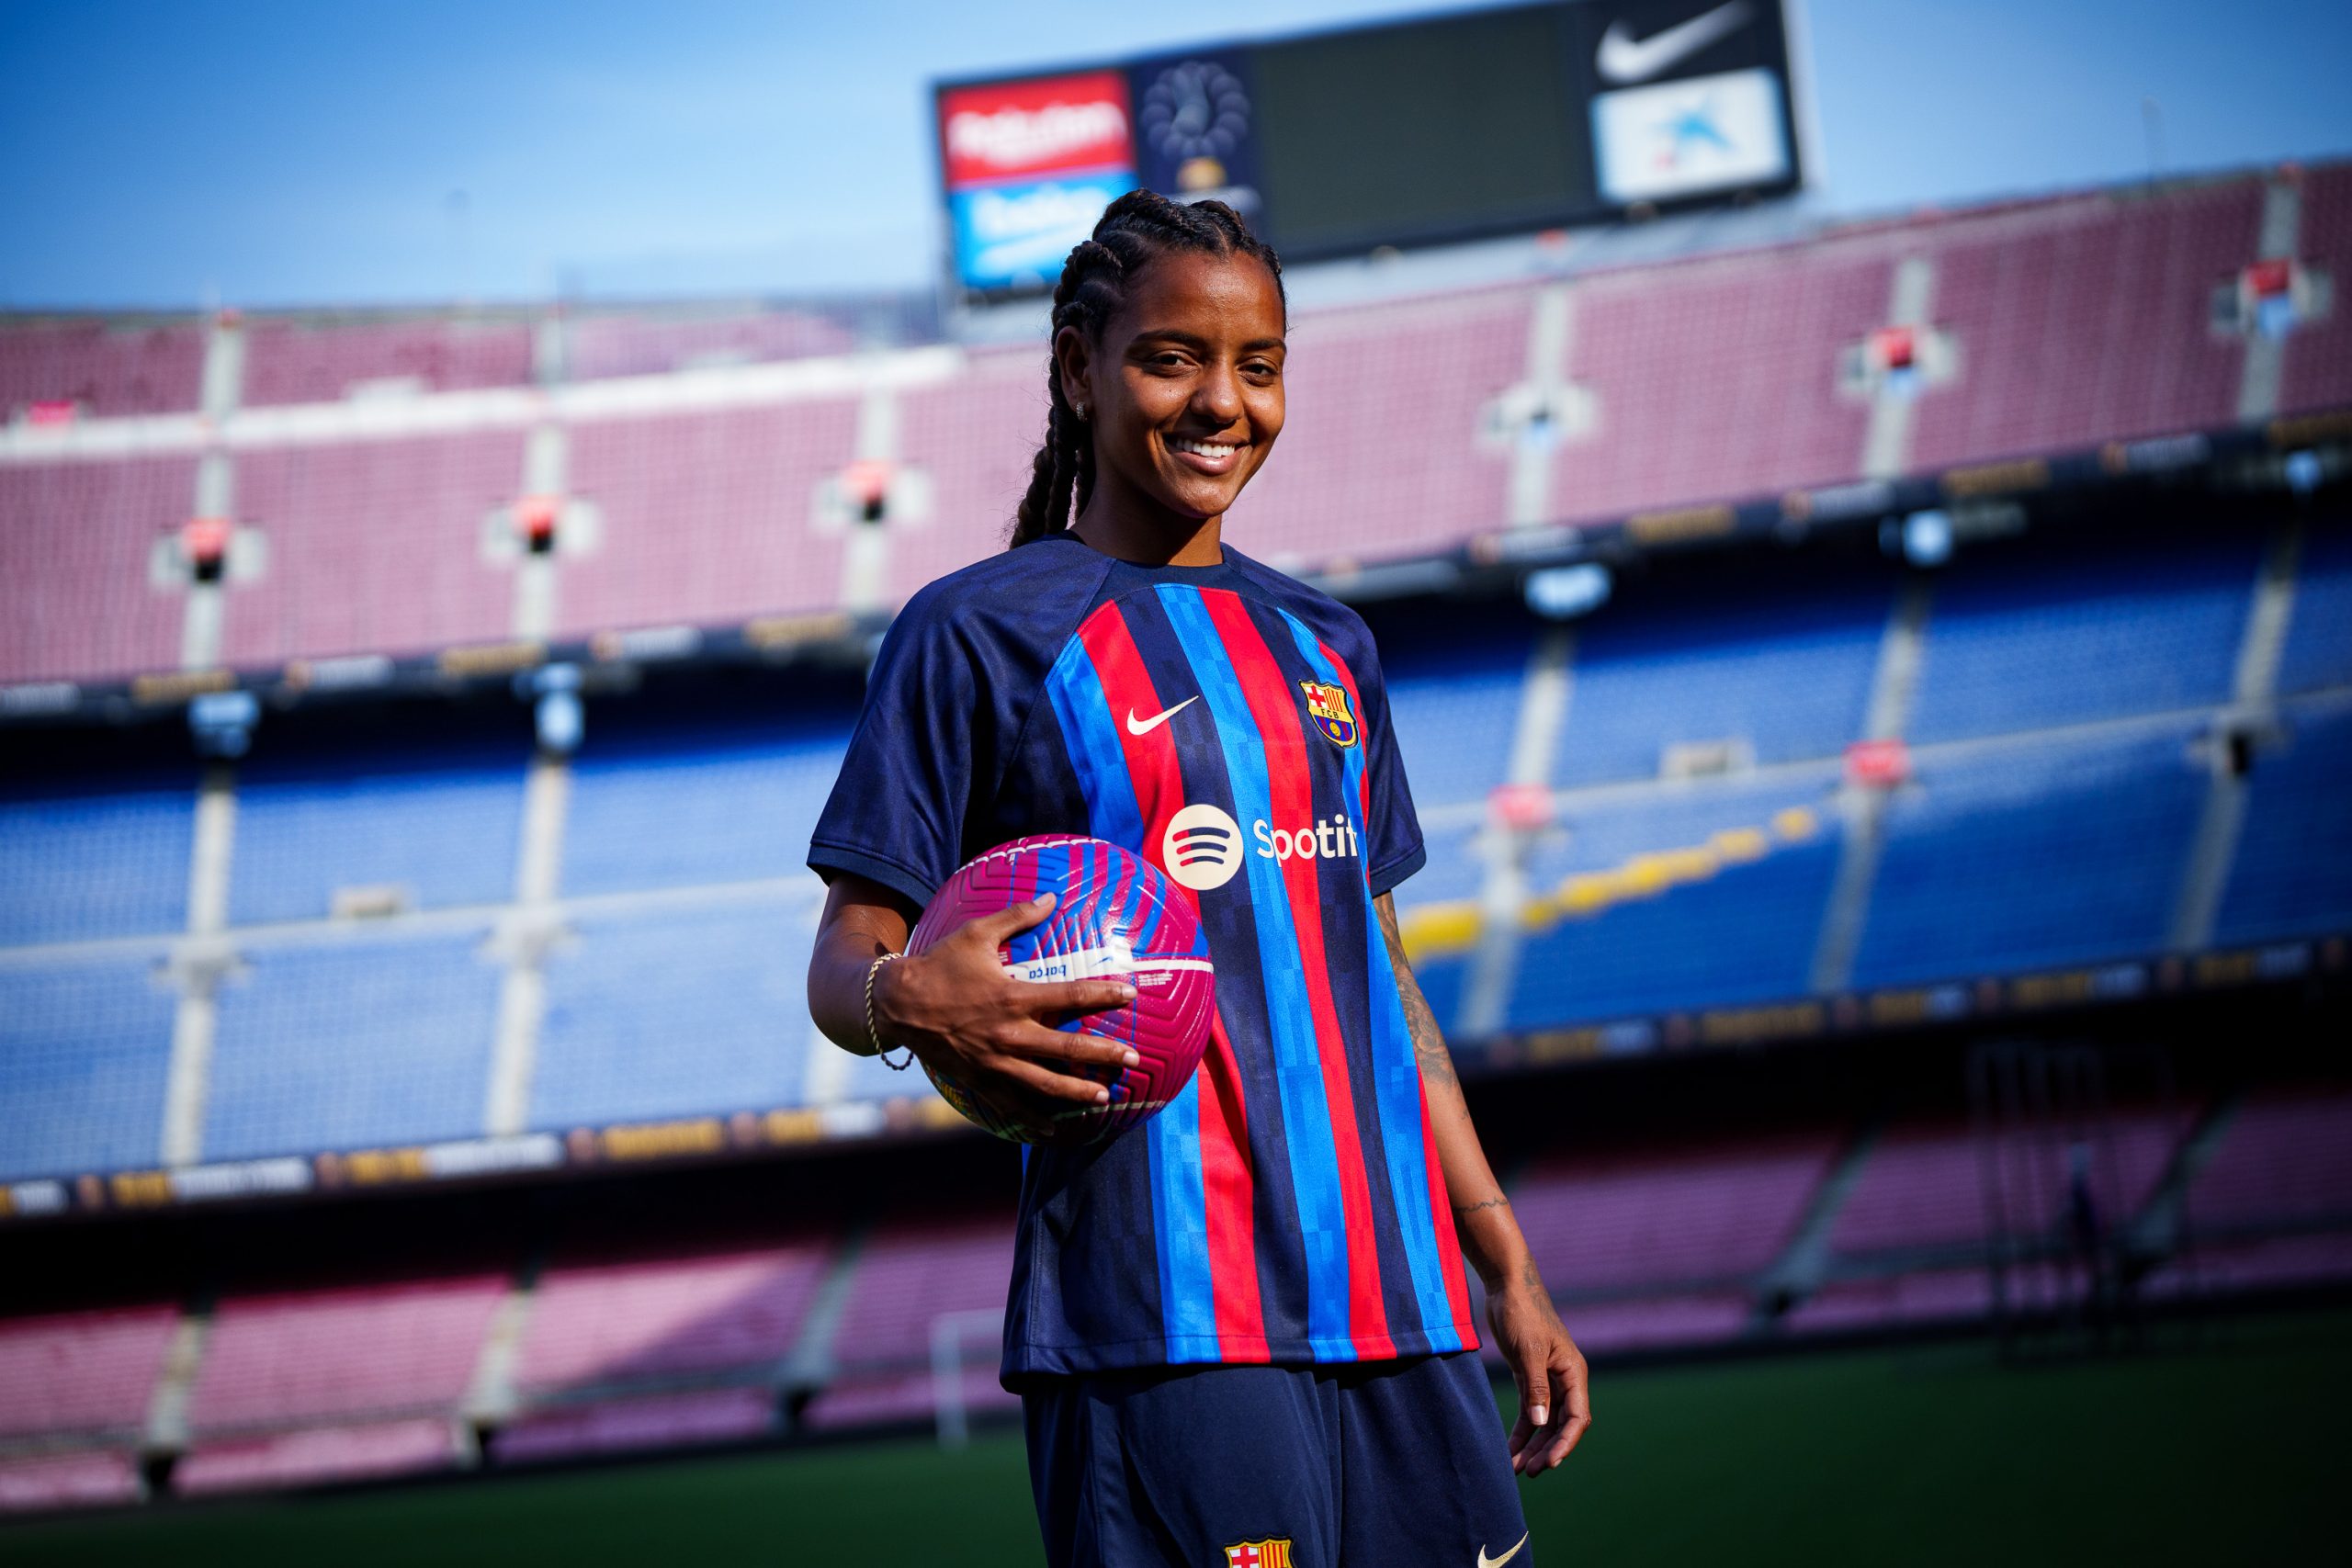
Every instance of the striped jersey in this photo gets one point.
(1230, 725)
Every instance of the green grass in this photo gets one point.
(2226, 1451)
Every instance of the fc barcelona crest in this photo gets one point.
(1272, 1553)
(1326, 704)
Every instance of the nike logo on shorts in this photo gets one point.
(1146, 726)
(1487, 1561)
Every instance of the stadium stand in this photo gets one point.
(341, 1354)
(2292, 872)
(85, 1048)
(88, 533)
(93, 855)
(81, 1375)
(2085, 319)
(2318, 649)
(620, 1425)
(352, 1044)
(313, 1455)
(99, 368)
(2069, 633)
(2285, 1161)
(1717, 379)
(1667, 1223)
(304, 362)
(404, 514)
(976, 439)
(67, 1481)
(1703, 894)
(2038, 855)
(2318, 372)
(595, 1325)
(605, 344)
(1454, 696)
(705, 517)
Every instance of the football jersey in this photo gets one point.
(1230, 725)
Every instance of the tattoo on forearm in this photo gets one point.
(1428, 1041)
(1494, 1203)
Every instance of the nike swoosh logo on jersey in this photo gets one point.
(1146, 726)
(1625, 58)
(1487, 1561)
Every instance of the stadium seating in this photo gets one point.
(2041, 855)
(316, 1455)
(620, 1426)
(85, 1048)
(1453, 698)
(344, 1355)
(1776, 663)
(975, 438)
(1703, 894)
(405, 516)
(638, 1321)
(2069, 632)
(2085, 319)
(351, 1044)
(1667, 1222)
(706, 518)
(2292, 872)
(1717, 379)
(306, 362)
(68, 1480)
(619, 344)
(92, 855)
(2284, 1160)
(2318, 372)
(109, 369)
(86, 534)
(909, 1272)
(87, 1374)
(2318, 649)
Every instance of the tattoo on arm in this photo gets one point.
(1428, 1041)
(1494, 1203)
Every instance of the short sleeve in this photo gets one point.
(1392, 829)
(897, 810)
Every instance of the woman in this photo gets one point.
(1244, 1327)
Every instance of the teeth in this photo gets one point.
(1205, 448)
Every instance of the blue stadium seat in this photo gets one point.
(85, 1045)
(675, 1012)
(2319, 634)
(723, 801)
(1783, 664)
(2293, 876)
(2033, 636)
(109, 859)
(1745, 933)
(353, 1045)
(444, 821)
(1453, 695)
(2033, 856)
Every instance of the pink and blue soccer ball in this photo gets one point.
(1115, 916)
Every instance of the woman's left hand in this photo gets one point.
(1554, 1404)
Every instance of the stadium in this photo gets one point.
(1877, 689)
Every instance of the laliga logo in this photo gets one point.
(1015, 137)
(1202, 848)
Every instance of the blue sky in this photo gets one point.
(311, 153)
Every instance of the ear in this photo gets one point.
(1074, 363)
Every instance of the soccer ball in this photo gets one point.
(1115, 916)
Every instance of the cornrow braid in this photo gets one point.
(1131, 231)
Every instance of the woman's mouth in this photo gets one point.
(1206, 457)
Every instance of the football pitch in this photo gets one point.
(2229, 1447)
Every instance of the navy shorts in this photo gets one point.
(1374, 1464)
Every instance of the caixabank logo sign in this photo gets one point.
(1029, 167)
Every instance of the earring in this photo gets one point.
(1079, 410)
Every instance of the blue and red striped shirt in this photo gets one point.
(1229, 725)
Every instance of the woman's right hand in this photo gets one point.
(958, 1008)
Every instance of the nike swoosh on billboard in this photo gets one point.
(1625, 58)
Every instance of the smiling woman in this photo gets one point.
(1242, 1327)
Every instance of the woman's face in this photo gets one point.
(1184, 392)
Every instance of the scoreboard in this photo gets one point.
(1444, 128)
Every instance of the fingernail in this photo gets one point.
(1537, 1414)
(1126, 993)
(1102, 1096)
(1132, 1059)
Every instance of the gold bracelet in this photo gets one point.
(872, 1036)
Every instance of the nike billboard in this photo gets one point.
(1334, 144)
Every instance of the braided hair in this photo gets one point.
(1133, 230)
